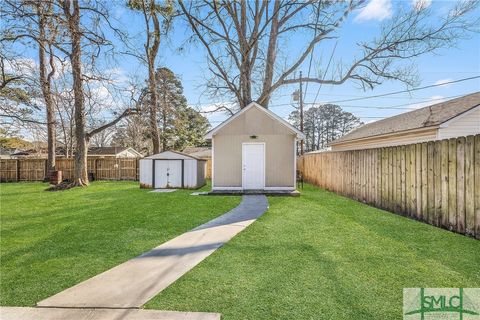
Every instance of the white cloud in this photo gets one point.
(375, 10)
(21, 66)
(421, 4)
(444, 82)
(117, 75)
(433, 100)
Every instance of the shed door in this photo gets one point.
(253, 166)
(168, 173)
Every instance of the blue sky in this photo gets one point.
(447, 64)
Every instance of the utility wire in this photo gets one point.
(405, 91)
(326, 70)
(357, 98)
(398, 106)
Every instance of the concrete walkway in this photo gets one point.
(133, 283)
(20, 313)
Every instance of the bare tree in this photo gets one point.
(152, 14)
(71, 11)
(21, 16)
(247, 42)
(46, 40)
(76, 34)
(17, 89)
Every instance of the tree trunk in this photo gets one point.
(152, 81)
(153, 105)
(45, 83)
(271, 57)
(245, 74)
(80, 173)
(164, 124)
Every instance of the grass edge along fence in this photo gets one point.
(437, 182)
(15, 170)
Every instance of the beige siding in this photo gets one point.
(388, 141)
(463, 125)
(279, 150)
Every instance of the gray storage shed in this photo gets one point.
(172, 169)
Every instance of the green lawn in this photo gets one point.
(53, 240)
(322, 256)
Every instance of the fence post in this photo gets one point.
(95, 169)
(17, 174)
(45, 170)
(137, 161)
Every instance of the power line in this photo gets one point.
(405, 91)
(326, 70)
(398, 106)
(356, 97)
(353, 96)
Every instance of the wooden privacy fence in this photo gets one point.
(102, 168)
(208, 171)
(437, 182)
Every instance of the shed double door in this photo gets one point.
(168, 174)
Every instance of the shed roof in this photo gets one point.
(430, 116)
(171, 154)
(272, 115)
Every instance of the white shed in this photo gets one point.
(172, 169)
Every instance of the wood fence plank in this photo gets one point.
(390, 180)
(444, 183)
(383, 187)
(431, 182)
(378, 181)
(395, 171)
(477, 186)
(402, 179)
(413, 183)
(366, 161)
(469, 186)
(372, 175)
(366, 154)
(461, 184)
(437, 168)
(361, 155)
(418, 173)
(408, 182)
(394, 180)
(424, 182)
(452, 184)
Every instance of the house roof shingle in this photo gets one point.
(429, 116)
(199, 152)
(106, 150)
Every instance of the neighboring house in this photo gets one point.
(202, 153)
(6, 153)
(450, 119)
(94, 152)
(199, 152)
(254, 150)
(29, 154)
(114, 152)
